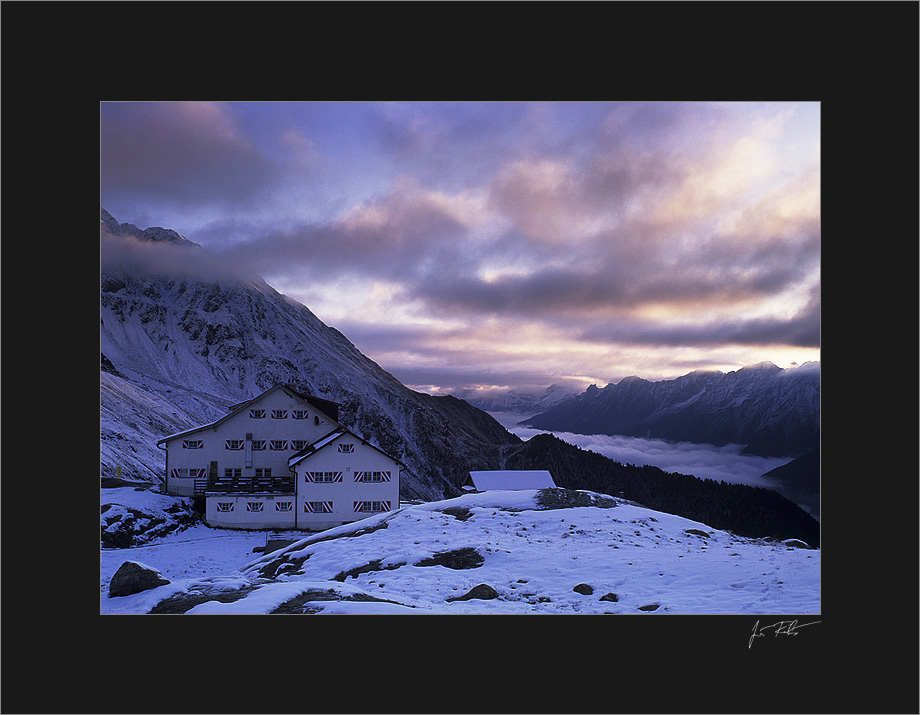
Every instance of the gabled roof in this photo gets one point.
(328, 439)
(509, 479)
(327, 407)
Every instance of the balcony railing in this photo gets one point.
(244, 485)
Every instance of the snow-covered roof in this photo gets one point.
(510, 479)
(316, 446)
(327, 407)
(312, 449)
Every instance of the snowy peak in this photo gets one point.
(110, 225)
(764, 366)
(517, 401)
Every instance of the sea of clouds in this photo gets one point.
(705, 461)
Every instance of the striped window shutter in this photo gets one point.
(324, 507)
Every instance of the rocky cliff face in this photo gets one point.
(181, 341)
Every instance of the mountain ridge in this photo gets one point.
(517, 401)
(773, 412)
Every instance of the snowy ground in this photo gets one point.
(532, 557)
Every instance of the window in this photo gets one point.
(277, 444)
(323, 476)
(192, 444)
(284, 505)
(254, 506)
(370, 506)
(234, 444)
(263, 472)
(372, 477)
(346, 448)
(258, 445)
(279, 414)
(298, 443)
(299, 414)
(257, 414)
(225, 506)
(318, 507)
(186, 473)
(231, 472)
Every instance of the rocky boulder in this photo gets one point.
(134, 577)
(465, 558)
(483, 591)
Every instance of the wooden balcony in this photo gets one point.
(245, 485)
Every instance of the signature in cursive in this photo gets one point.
(787, 628)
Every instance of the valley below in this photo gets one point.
(726, 463)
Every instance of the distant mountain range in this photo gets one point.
(773, 412)
(516, 401)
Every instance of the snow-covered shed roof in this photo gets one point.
(509, 479)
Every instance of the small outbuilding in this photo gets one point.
(483, 481)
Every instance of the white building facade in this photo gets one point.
(281, 461)
(253, 441)
(343, 478)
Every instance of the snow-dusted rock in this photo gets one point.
(134, 577)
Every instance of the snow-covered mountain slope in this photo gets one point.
(772, 411)
(513, 552)
(183, 338)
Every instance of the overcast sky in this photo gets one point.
(491, 245)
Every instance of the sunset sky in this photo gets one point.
(492, 245)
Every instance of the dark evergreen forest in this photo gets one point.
(741, 509)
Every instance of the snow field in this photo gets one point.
(139, 499)
(532, 557)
